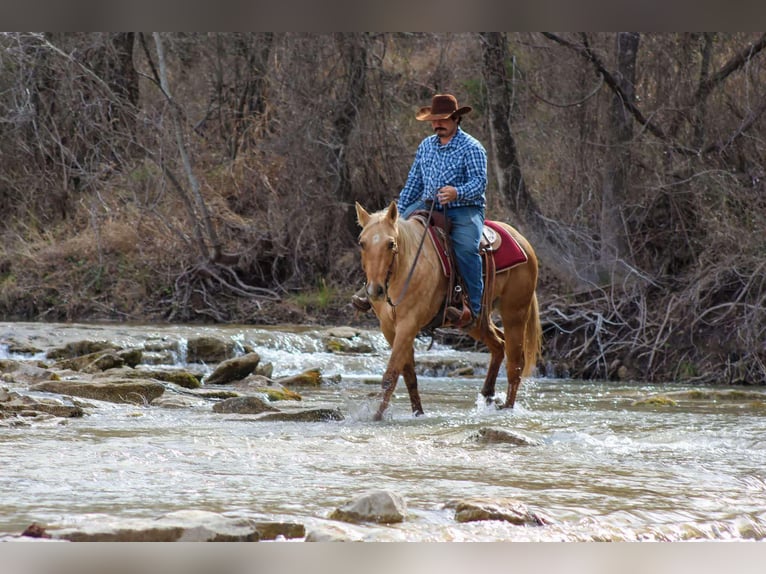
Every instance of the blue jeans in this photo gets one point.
(467, 223)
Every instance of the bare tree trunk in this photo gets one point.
(353, 50)
(614, 244)
(199, 201)
(505, 160)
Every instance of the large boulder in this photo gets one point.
(234, 369)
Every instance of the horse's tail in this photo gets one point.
(533, 339)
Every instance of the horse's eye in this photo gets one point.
(392, 244)
(361, 243)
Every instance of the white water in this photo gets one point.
(606, 469)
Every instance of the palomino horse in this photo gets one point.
(406, 299)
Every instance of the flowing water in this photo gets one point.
(604, 468)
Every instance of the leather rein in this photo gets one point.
(412, 268)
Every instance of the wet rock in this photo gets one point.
(435, 367)
(265, 370)
(180, 526)
(34, 530)
(274, 530)
(91, 363)
(506, 509)
(655, 401)
(342, 332)
(215, 394)
(167, 401)
(380, 506)
(161, 346)
(233, 369)
(243, 405)
(13, 403)
(493, 435)
(21, 372)
(23, 348)
(333, 533)
(158, 358)
(309, 378)
(279, 394)
(346, 340)
(714, 395)
(461, 372)
(131, 357)
(78, 348)
(209, 350)
(135, 391)
(181, 378)
(317, 415)
(257, 384)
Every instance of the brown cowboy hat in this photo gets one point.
(442, 106)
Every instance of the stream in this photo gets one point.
(601, 466)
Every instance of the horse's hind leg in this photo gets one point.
(493, 339)
(514, 357)
(411, 380)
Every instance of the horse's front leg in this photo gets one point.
(401, 354)
(387, 385)
(411, 380)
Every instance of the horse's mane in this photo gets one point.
(409, 231)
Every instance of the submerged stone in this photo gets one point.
(497, 435)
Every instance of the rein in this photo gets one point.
(412, 268)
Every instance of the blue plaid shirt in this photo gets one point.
(461, 163)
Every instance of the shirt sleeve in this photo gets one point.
(476, 175)
(413, 188)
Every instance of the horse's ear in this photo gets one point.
(393, 212)
(362, 217)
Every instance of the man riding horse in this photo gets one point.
(449, 174)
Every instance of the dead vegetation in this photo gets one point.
(224, 192)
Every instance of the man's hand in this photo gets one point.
(446, 194)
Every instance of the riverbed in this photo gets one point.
(601, 463)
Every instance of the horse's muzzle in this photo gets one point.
(375, 291)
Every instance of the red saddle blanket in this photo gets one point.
(495, 239)
(509, 253)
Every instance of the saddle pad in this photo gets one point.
(509, 254)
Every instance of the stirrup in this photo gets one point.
(460, 319)
(360, 301)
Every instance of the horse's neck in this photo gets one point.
(410, 235)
